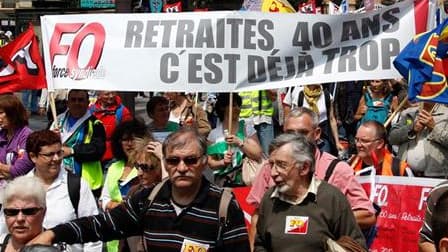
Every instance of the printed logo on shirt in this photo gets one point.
(296, 225)
(193, 246)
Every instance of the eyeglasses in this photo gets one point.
(144, 167)
(173, 161)
(25, 211)
(75, 99)
(364, 141)
(283, 165)
(49, 155)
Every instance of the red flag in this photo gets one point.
(21, 65)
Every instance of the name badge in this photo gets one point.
(296, 225)
(193, 246)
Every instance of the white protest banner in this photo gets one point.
(221, 51)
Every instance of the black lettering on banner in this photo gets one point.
(347, 58)
(204, 35)
(322, 36)
(194, 67)
(249, 33)
(390, 47)
(235, 24)
(301, 36)
(290, 67)
(274, 67)
(150, 33)
(185, 37)
(220, 31)
(368, 55)
(167, 61)
(331, 55)
(368, 25)
(267, 43)
(256, 70)
(167, 27)
(232, 60)
(350, 31)
(306, 65)
(134, 31)
(215, 75)
(393, 20)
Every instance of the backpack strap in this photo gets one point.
(327, 102)
(74, 186)
(224, 203)
(4, 239)
(155, 191)
(118, 115)
(330, 169)
(396, 166)
(300, 99)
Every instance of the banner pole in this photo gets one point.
(230, 115)
(391, 117)
(53, 108)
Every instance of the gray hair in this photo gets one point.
(300, 111)
(301, 149)
(177, 140)
(25, 187)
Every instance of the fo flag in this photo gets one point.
(424, 63)
(21, 64)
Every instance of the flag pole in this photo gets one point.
(53, 108)
(230, 115)
(391, 117)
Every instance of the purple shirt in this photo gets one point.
(14, 154)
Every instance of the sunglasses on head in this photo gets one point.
(187, 160)
(143, 167)
(25, 211)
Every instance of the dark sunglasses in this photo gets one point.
(173, 161)
(144, 167)
(25, 211)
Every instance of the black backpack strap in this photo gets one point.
(396, 166)
(300, 99)
(327, 102)
(74, 186)
(155, 191)
(4, 239)
(330, 169)
(224, 203)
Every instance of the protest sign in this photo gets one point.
(403, 203)
(221, 51)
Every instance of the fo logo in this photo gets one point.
(76, 33)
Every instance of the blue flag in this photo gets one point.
(424, 64)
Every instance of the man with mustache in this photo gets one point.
(184, 215)
(301, 211)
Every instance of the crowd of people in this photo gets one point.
(100, 178)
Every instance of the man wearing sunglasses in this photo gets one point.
(182, 217)
(83, 138)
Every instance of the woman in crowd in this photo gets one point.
(186, 113)
(45, 150)
(24, 211)
(376, 103)
(158, 109)
(147, 161)
(228, 147)
(122, 173)
(14, 131)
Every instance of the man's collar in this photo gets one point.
(311, 193)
